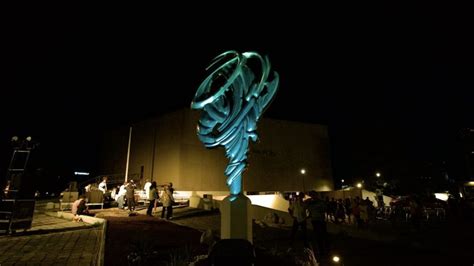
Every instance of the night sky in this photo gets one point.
(395, 86)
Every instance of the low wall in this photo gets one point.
(274, 202)
(264, 204)
(261, 206)
(259, 213)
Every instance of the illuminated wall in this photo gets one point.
(274, 163)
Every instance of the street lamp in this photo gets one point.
(343, 186)
(377, 174)
(21, 153)
(337, 260)
(303, 172)
(25, 144)
(359, 185)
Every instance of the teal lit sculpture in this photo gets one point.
(232, 98)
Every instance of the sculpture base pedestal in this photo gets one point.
(236, 220)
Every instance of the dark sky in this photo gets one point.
(394, 84)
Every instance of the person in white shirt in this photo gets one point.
(120, 197)
(147, 188)
(103, 185)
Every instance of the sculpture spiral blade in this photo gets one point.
(232, 98)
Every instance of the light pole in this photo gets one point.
(303, 172)
(379, 189)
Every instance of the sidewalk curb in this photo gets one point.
(90, 220)
(69, 216)
(101, 255)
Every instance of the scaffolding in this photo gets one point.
(17, 203)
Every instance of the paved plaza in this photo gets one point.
(53, 241)
(60, 241)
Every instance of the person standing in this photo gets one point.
(298, 210)
(146, 187)
(152, 197)
(167, 201)
(130, 194)
(317, 208)
(120, 197)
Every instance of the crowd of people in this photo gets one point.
(412, 211)
(350, 211)
(127, 195)
(356, 211)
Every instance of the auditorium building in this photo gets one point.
(167, 149)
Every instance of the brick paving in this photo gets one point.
(78, 247)
(52, 241)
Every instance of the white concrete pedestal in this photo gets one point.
(236, 219)
(195, 201)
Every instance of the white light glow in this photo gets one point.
(182, 196)
(336, 259)
(275, 202)
(81, 173)
(442, 196)
(342, 180)
(470, 183)
(359, 185)
(303, 171)
(324, 188)
(219, 198)
(460, 194)
(377, 174)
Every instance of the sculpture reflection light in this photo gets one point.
(232, 98)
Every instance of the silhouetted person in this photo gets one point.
(317, 209)
(130, 194)
(297, 210)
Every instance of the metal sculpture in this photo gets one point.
(232, 99)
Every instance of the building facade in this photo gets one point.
(167, 149)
